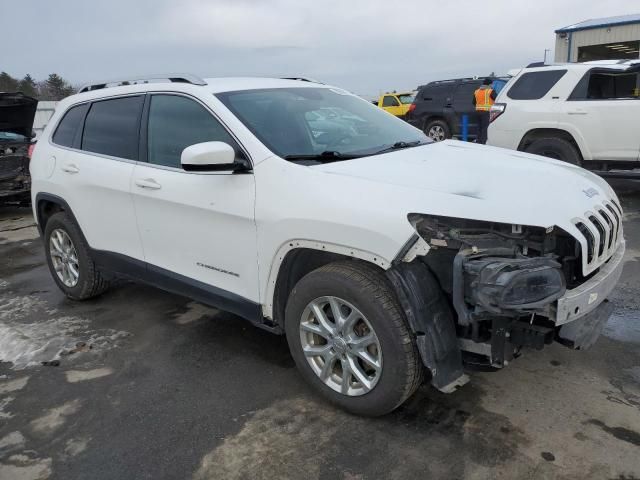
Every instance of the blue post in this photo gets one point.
(465, 127)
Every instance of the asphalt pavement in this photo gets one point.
(151, 385)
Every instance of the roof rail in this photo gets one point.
(173, 78)
(302, 79)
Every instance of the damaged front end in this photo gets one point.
(17, 112)
(502, 284)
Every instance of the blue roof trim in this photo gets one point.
(601, 23)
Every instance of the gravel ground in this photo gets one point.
(153, 385)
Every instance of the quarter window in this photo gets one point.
(111, 127)
(390, 101)
(175, 123)
(535, 85)
(70, 125)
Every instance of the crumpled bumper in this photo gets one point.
(582, 313)
(582, 333)
(577, 303)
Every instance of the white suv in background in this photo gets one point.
(310, 212)
(583, 113)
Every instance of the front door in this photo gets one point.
(198, 225)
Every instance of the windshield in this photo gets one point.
(308, 122)
(408, 98)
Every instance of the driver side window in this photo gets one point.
(390, 101)
(176, 122)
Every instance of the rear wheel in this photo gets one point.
(69, 259)
(437, 130)
(555, 147)
(349, 338)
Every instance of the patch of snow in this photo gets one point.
(13, 385)
(26, 342)
(12, 440)
(74, 376)
(55, 417)
(3, 404)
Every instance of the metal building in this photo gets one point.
(43, 113)
(608, 38)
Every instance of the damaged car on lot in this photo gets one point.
(17, 112)
(385, 258)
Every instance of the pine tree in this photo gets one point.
(56, 88)
(8, 83)
(28, 86)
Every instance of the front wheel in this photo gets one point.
(350, 340)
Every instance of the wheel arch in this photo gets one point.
(295, 259)
(46, 205)
(537, 133)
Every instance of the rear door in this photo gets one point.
(432, 101)
(462, 104)
(199, 225)
(99, 147)
(605, 109)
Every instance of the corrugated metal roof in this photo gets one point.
(601, 22)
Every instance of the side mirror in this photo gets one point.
(209, 157)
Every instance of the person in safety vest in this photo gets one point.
(483, 98)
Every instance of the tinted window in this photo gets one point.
(463, 98)
(390, 101)
(434, 92)
(111, 127)
(606, 86)
(69, 125)
(405, 99)
(176, 123)
(534, 85)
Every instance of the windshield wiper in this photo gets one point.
(401, 145)
(326, 156)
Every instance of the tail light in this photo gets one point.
(30, 150)
(497, 109)
(412, 107)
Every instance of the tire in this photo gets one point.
(358, 289)
(556, 148)
(90, 282)
(437, 130)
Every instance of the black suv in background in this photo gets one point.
(439, 106)
(17, 112)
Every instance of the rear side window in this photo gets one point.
(534, 85)
(390, 101)
(597, 85)
(176, 123)
(436, 92)
(111, 127)
(70, 126)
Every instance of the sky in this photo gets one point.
(365, 46)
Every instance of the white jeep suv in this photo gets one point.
(310, 212)
(582, 113)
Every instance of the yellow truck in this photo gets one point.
(395, 103)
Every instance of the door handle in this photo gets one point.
(577, 112)
(148, 183)
(70, 168)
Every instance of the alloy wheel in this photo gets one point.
(436, 133)
(64, 257)
(341, 346)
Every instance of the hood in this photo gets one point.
(17, 112)
(479, 182)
